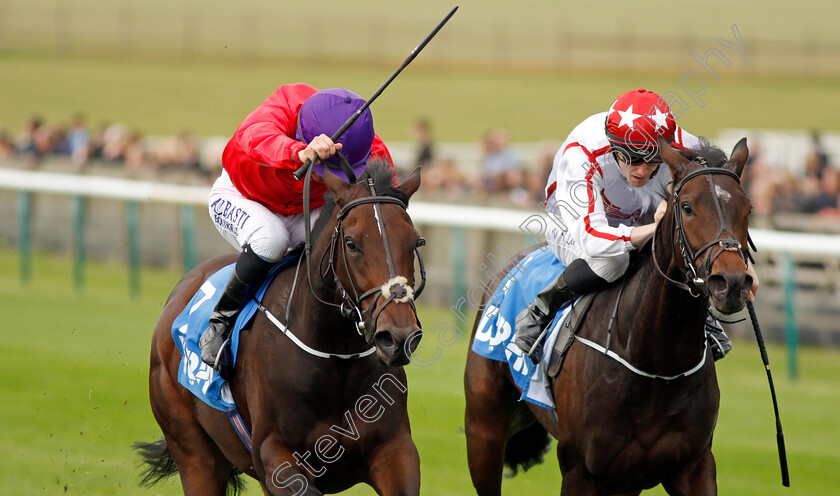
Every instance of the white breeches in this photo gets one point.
(567, 250)
(245, 222)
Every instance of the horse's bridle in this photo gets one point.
(395, 289)
(725, 241)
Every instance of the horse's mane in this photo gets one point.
(383, 181)
(714, 156)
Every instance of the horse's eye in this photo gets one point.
(687, 209)
(350, 244)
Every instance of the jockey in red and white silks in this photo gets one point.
(592, 205)
(606, 177)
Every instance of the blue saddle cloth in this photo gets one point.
(494, 334)
(193, 374)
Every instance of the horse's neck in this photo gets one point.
(665, 323)
(315, 315)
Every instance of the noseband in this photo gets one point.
(396, 289)
(725, 240)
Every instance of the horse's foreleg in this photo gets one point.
(279, 472)
(577, 481)
(395, 468)
(697, 478)
(490, 407)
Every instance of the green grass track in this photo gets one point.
(73, 391)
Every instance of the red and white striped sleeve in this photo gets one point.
(597, 237)
(577, 201)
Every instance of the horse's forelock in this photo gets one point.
(383, 180)
(714, 156)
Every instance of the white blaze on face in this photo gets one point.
(724, 195)
(378, 220)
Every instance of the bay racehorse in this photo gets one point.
(620, 431)
(328, 413)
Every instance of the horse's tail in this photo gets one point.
(160, 466)
(157, 460)
(527, 448)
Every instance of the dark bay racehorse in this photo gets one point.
(618, 431)
(319, 424)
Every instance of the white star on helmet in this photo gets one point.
(628, 117)
(660, 119)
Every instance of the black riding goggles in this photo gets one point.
(632, 159)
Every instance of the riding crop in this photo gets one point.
(308, 165)
(780, 437)
(305, 171)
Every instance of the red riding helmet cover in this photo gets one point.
(635, 119)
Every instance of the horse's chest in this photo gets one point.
(648, 431)
(346, 422)
(340, 420)
(347, 431)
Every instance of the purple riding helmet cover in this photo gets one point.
(324, 113)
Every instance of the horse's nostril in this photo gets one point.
(413, 341)
(731, 286)
(385, 340)
(716, 283)
(746, 285)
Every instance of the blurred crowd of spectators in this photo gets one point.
(815, 191)
(502, 176)
(110, 144)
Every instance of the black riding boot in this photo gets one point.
(250, 271)
(577, 280)
(531, 322)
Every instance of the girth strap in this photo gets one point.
(239, 426)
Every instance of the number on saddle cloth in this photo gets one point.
(198, 377)
(494, 333)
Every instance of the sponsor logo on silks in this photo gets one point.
(229, 216)
(615, 211)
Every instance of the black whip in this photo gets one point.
(780, 437)
(302, 170)
(305, 171)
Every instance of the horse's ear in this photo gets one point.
(411, 184)
(336, 185)
(738, 158)
(671, 157)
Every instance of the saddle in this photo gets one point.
(567, 333)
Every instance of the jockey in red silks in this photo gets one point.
(257, 204)
(606, 176)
